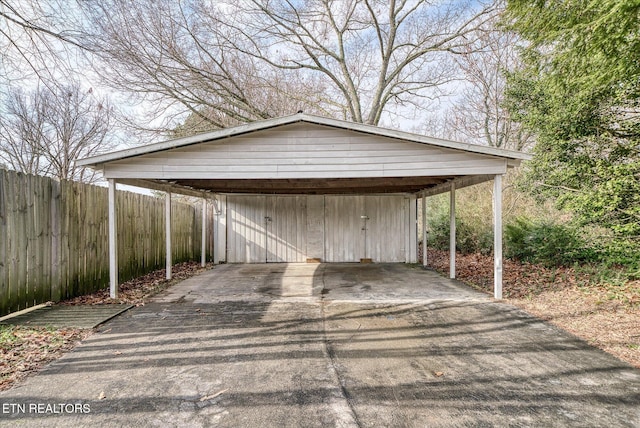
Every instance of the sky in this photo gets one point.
(19, 68)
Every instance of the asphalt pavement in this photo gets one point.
(327, 345)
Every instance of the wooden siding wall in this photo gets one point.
(344, 236)
(292, 228)
(304, 151)
(246, 235)
(287, 229)
(267, 229)
(53, 238)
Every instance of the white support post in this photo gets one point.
(497, 237)
(424, 231)
(113, 241)
(203, 258)
(167, 223)
(413, 230)
(452, 232)
(217, 228)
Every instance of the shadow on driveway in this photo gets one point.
(329, 345)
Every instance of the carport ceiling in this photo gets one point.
(310, 186)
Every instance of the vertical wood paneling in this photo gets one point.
(315, 227)
(327, 227)
(286, 232)
(301, 228)
(385, 228)
(10, 237)
(412, 239)
(4, 238)
(21, 286)
(344, 237)
(211, 219)
(55, 232)
(267, 229)
(246, 231)
(31, 249)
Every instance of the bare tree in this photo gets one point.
(176, 57)
(230, 62)
(372, 52)
(45, 131)
(22, 121)
(37, 37)
(479, 114)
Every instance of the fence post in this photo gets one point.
(56, 283)
(497, 237)
(4, 256)
(167, 223)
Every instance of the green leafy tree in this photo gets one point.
(579, 91)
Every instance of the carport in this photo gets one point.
(304, 188)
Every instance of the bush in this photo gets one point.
(621, 253)
(471, 237)
(545, 242)
(518, 237)
(438, 236)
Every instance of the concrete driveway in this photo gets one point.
(342, 345)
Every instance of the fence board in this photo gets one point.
(12, 245)
(45, 240)
(55, 238)
(4, 233)
(9, 197)
(31, 241)
(21, 285)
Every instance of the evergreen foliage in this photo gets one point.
(579, 92)
(545, 242)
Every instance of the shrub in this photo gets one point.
(471, 237)
(517, 239)
(545, 242)
(621, 253)
(438, 236)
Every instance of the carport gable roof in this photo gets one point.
(364, 159)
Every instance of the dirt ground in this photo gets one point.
(607, 317)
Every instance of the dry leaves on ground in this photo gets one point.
(24, 350)
(606, 316)
(135, 291)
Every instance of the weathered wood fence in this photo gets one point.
(54, 238)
